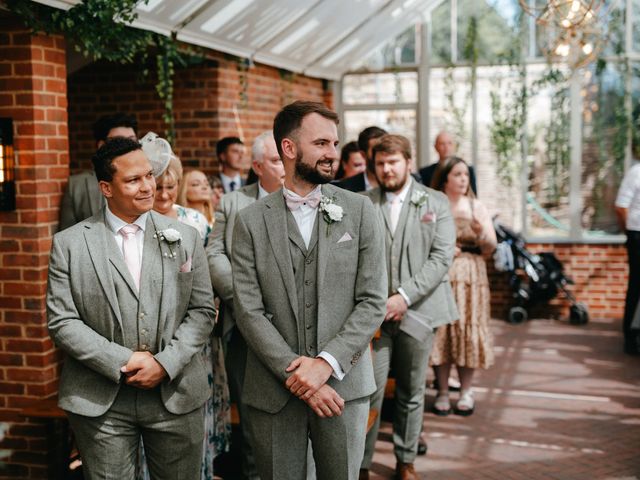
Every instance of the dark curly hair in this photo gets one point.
(112, 149)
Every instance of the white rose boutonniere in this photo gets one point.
(171, 236)
(419, 198)
(331, 212)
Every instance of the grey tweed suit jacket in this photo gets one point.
(219, 248)
(84, 317)
(352, 292)
(428, 246)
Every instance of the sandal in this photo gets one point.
(442, 407)
(465, 404)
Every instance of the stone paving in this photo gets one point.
(562, 402)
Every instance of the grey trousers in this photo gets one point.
(409, 359)
(281, 441)
(109, 443)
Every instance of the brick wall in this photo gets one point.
(600, 274)
(210, 103)
(33, 93)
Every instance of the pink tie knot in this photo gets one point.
(129, 230)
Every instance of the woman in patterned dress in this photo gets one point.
(467, 343)
(217, 421)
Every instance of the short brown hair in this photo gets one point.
(289, 119)
(392, 144)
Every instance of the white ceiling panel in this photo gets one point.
(323, 38)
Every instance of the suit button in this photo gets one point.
(144, 347)
(308, 282)
(308, 305)
(310, 348)
(308, 327)
(143, 331)
(141, 315)
(308, 261)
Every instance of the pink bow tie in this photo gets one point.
(294, 203)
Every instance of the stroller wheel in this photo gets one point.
(517, 315)
(578, 314)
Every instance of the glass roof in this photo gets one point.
(320, 38)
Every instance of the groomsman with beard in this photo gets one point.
(310, 291)
(420, 240)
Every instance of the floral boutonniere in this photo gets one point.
(171, 236)
(331, 212)
(419, 198)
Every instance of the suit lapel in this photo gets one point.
(327, 238)
(156, 268)
(407, 210)
(384, 208)
(152, 269)
(275, 219)
(100, 242)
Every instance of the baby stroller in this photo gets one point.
(533, 278)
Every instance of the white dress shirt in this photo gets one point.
(401, 196)
(226, 182)
(629, 197)
(305, 217)
(115, 224)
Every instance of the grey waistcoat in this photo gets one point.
(305, 272)
(139, 312)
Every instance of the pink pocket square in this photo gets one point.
(345, 238)
(428, 217)
(186, 266)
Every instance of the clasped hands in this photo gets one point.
(143, 371)
(308, 382)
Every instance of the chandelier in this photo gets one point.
(569, 30)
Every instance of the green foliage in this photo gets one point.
(100, 30)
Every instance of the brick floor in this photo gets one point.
(562, 402)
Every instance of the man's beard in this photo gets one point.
(310, 174)
(396, 186)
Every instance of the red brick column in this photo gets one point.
(33, 92)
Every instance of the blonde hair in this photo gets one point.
(182, 196)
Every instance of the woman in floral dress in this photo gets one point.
(467, 343)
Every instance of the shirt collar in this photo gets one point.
(402, 194)
(295, 195)
(261, 192)
(115, 223)
(227, 180)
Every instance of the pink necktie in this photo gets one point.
(131, 252)
(312, 199)
(394, 212)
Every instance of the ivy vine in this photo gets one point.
(100, 30)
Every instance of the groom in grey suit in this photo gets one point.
(268, 167)
(130, 304)
(420, 241)
(310, 290)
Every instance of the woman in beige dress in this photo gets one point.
(467, 343)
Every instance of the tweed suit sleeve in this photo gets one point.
(196, 326)
(69, 332)
(440, 256)
(260, 334)
(370, 292)
(217, 255)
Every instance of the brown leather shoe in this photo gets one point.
(364, 474)
(405, 471)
